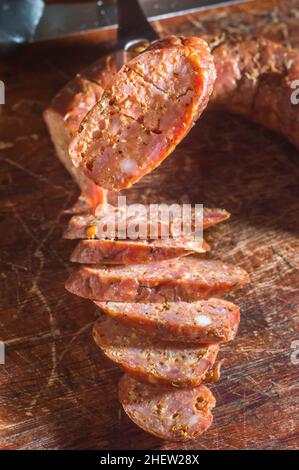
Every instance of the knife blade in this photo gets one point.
(60, 20)
(18, 22)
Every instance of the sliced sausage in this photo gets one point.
(152, 360)
(256, 79)
(138, 122)
(131, 252)
(169, 413)
(75, 100)
(85, 226)
(63, 118)
(204, 321)
(186, 279)
(67, 110)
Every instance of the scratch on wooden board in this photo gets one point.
(280, 255)
(27, 137)
(244, 417)
(22, 221)
(17, 284)
(34, 175)
(280, 389)
(41, 258)
(6, 145)
(30, 339)
(7, 426)
(14, 265)
(216, 440)
(119, 418)
(27, 102)
(75, 336)
(53, 226)
(53, 326)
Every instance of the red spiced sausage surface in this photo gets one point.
(188, 279)
(85, 226)
(152, 360)
(204, 321)
(134, 252)
(145, 112)
(169, 413)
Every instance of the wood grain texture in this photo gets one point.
(56, 389)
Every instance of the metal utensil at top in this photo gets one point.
(64, 19)
(23, 21)
(134, 32)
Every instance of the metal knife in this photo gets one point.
(23, 21)
(66, 19)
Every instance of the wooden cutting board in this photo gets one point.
(56, 389)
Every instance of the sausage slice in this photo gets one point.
(131, 252)
(85, 226)
(139, 120)
(168, 413)
(186, 279)
(204, 321)
(152, 360)
(66, 112)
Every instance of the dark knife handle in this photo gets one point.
(18, 22)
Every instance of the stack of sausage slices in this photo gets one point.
(163, 319)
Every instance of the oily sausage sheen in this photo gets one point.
(169, 413)
(257, 79)
(205, 321)
(145, 112)
(85, 226)
(152, 360)
(188, 279)
(134, 252)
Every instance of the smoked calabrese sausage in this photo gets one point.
(147, 109)
(169, 413)
(85, 226)
(152, 360)
(257, 79)
(205, 321)
(186, 279)
(134, 252)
